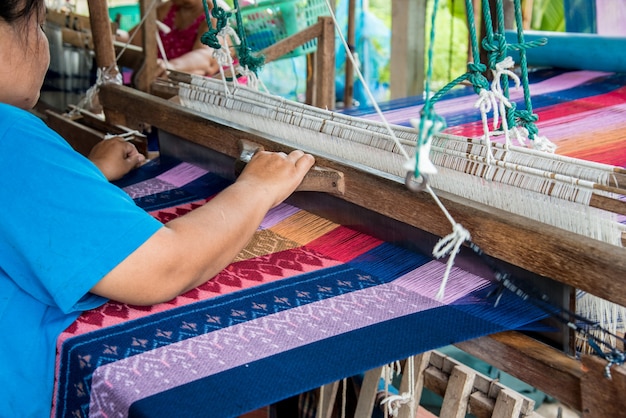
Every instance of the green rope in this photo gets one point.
(244, 53)
(496, 47)
(436, 122)
(525, 118)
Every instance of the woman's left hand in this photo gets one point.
(115, 157)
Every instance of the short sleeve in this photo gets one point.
(65, 225)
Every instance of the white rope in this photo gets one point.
(393, 403)
(502, 69)
(450, 245)
(362, 79)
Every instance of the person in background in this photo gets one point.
(183, 24)
(70, 240)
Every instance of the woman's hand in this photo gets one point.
(115, 157)
(277, 174)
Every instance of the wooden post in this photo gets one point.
(420, 363)
(407, 47)
(102, 36)
(144, 77)
(325, 65)
(367, 396)
(348, 91)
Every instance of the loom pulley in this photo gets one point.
(411, 182)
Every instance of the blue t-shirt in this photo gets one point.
(63, 227)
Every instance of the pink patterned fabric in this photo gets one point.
(179, 41)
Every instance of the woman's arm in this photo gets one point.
(192, 249)
(197, 61)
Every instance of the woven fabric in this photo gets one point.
(307, 302)
(582, 112)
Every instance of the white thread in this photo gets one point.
(502, 69)
(450, 245)
(394, 402)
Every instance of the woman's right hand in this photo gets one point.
(276, 173)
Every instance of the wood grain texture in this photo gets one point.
(602, 396)
(531, 361)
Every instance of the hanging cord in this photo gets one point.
(430, 124)
(247, 60)
(393, 403)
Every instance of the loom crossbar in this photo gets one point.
(581, 262)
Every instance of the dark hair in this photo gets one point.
(13, 10)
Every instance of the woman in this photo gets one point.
(70, 240)
(185, 21)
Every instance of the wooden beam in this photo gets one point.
(531, 361)
(82, 138)
(602, 396)
(285, 46)
(584, 263)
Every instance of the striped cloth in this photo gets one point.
(582, 112)
(307, 302)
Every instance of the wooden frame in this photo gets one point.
(597, 268)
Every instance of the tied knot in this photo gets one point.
(452, 241)
(209, 38)
(221, 16)
(478, 80)
(394, 402)
(496, 47)
(450, 245)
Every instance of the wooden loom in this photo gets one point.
(577, 261)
